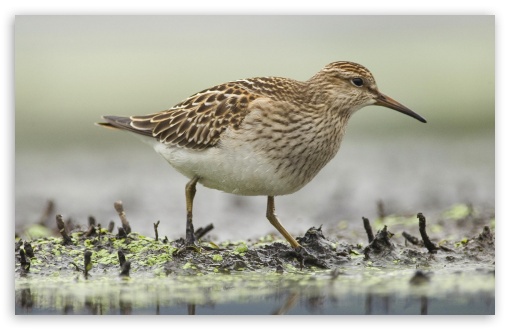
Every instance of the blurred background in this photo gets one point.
(70, 70)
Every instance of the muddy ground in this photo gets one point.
(382, 266)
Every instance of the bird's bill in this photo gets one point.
(388, 102)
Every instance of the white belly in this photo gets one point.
(237, 170)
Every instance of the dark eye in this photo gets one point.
(357, 82)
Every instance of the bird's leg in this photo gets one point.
(190, 195)
(271, 216)
(299, 251)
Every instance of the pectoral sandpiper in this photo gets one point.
(260, 136)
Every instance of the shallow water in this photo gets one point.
(373, 291)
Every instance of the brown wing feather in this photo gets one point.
(197, 122)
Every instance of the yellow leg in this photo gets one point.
(271, 216)
(190, 195)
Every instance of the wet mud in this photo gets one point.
(413, 248)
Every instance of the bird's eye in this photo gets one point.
(358, 82)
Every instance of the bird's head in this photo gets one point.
(353, 87)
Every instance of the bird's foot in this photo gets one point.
(190, 243)
(189, 246)
(304, 256)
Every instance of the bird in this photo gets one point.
(262, 136)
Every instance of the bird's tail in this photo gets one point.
(122, 123)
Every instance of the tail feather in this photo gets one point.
(123, 123)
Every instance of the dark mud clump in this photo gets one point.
(381, 246)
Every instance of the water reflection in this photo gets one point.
(242, 296)
(288, 304)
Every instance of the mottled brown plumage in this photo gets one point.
(260, 136)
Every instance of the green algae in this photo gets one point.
(458, 211)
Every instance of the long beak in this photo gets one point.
(388, 102)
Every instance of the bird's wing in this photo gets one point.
(197, 122)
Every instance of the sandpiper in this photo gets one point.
(259, 136)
